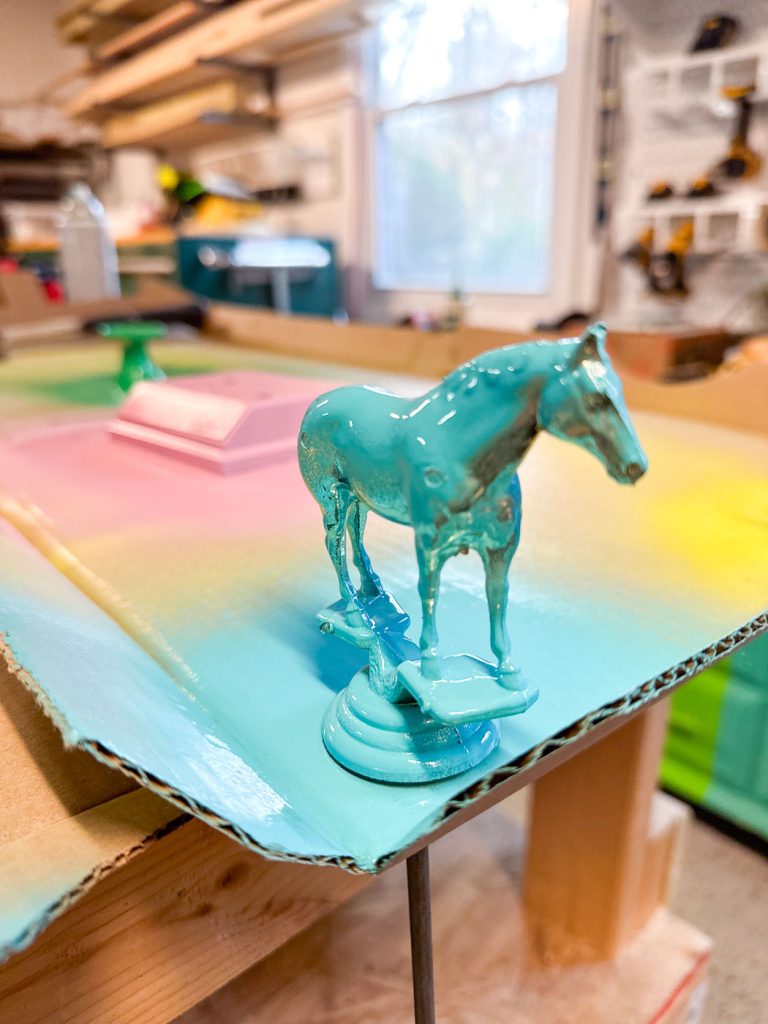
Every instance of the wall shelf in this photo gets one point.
(256, 31)
(214, 113)
(676, 91)
(727, 223)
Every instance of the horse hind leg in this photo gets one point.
(370, 584)
(430, 567)
(496, 562)
(335, 512)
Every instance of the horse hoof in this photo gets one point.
(353, 616)
(511, 676)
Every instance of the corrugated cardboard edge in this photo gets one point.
(56, 907)
(646, 693)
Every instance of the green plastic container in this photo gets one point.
(716, 754)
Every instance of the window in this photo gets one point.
(466, 105)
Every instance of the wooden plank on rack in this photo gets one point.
(79, 21)
(168, 20)
(271, 23)
(177, 120)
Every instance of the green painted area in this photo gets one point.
(86, 376)
(97, 389)
(694, 723)
(717, 746)
(741, 734)
(742, 808)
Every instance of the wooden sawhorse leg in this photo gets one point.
(594, 873)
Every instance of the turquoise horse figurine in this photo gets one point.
(446, 463)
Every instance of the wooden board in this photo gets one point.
(165, 21)
(170, 927)
(177, 121)
(83, 20)
(649, 355)
(354, 966)
(268, 24)
(735, 397)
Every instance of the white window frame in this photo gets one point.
(572, 247)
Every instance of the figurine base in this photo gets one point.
(372, 737)
(462, 689)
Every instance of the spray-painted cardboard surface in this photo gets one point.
(165, 618)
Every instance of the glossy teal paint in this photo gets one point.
(135, 336)
(445, 463)
(395, 725)
(237, 739)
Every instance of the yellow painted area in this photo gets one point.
(712, 521)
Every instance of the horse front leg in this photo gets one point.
(430, 563)
(497, 562)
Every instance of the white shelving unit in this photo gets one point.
(678, 91)
(727, 223)
(680, 126)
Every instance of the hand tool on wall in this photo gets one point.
(666, 273)
(715, 32)
(641, 250)
(741, 161)
(660, 190)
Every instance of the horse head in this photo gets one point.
(583, 402)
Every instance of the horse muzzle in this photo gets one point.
(634, 470)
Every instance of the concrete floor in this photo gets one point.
(722, 888)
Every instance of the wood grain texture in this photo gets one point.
(146, 31)
(588, 849)
(163, 121)
(88, 19)
(164, 931)
(729, 398)
(404, 350)
(44, 873)
(266, 23)
(353, 967)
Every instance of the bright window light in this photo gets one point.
(465, 143)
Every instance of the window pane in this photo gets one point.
(465, 192)
(436, 48)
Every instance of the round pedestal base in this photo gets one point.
(398, 742)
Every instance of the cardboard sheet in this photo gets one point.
(166, 616)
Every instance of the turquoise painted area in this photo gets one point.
(99, 685)
(243, 736)
(239, 731)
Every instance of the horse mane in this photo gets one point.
(507, 358)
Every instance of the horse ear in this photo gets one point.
(591, 345)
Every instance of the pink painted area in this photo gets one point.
(90, 483)
(226, 422)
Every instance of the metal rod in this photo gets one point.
(420, 910)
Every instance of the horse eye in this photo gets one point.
(597, 401)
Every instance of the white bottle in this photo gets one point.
(87, 254)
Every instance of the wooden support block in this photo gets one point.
(154, 937)
(663, 848)
(588, 843)
(354, 967)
